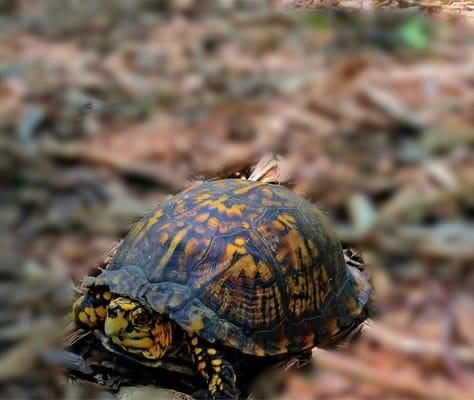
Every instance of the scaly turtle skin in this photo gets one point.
(229, 264)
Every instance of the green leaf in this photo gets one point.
(414, 34)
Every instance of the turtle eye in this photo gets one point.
(143, 318)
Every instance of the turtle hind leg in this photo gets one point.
(214, 368)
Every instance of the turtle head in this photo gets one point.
(136, 330)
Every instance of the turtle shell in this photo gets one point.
(249, 265)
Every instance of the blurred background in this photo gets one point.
(108, 107)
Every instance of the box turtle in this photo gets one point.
(223, 268)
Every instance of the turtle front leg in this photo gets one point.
(217, 372)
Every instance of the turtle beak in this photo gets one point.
(115, 324)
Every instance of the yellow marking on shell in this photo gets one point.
(202, 365)
(226, 300)
(264, 271)
(313, 248)
(190, 246)
(213, 223)
(245, 264)
(352, 306)
(136, 229)
(219, 205)
(211, 351)
(197, 350)
(202, 217)
(197, 324)
(248, 266)
(323, 275)
(239, 241)
(231, 249)
(166, 226)
(172, 247)
(278, 225)
(107, 295)
(216, 362)
(246, 225)
(225, 226)
(152, 220)
(217, 369)
(194, 341)
(267, 303)
(221, 386)
(174, 300)
(201, 197)
(298, 309)
(248, 188)
(179, 204)
(324, 279)
(322, 286)
(298, 248)
(281, 254)
(287, 219)
(163, 237)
